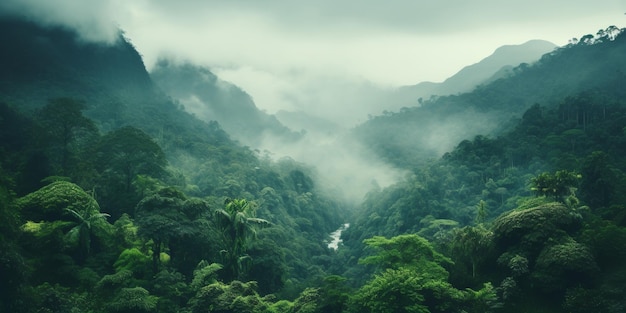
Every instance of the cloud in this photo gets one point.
(93, 20)
(431, 17)
(331, 59)
(395, 42)
(343, 167)
(288, 53)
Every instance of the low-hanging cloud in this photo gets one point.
(343, 166)
(94, 21)
(398, 42)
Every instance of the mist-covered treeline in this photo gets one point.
(114, 199)
(525, 207)
(438, 124)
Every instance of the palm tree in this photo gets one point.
(80, 234)
(238, 224)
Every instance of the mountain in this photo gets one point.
(351, 105)
(120, 136)
(488, 69)
(209, 98)
(459, 233)
(419, 133)
(56, 62)
(495, 165)
(40, 63)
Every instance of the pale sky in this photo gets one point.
(296, 54)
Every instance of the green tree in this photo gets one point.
(133, 260)
(69, 229)
(558, 185)
(168, 218)
(307, 302)
(67, 130)
(334, 294)
(408, 251)
(269, 267)
(414, 280)
(88, 222)
(205, 274)
(53, 201)
(531, 228)
(225, 298)
(123, 156)
(133, 300)
(598, 186)
(481, 212)
(392, 291)
(564, 265)
(537, 248)
(238, 223)
(472, 244)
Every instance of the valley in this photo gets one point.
(123, 189)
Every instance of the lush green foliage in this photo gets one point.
(113, 199)
(238, 224)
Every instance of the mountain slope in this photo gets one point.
(210, 99)
(42, 63)
(131, 114)
(479, 73)
(441, 122)
(56, 62)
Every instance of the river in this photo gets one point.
(336, 237)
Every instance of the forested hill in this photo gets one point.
(55, 61)
(535, 206)
(115, 199)
(593, 63)
(42, 63)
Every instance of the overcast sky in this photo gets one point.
(289, 54)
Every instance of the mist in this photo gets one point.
(343, 166)
(333, 62)
(342, 100)
(317, 133)
(94, 21)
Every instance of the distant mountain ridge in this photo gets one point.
(488, 69)
(415, 134)
(367, 100)
(202, 93)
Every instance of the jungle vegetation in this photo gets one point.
(114, 199)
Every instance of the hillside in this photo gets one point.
(492, 202)
(53, 61)
(440, 123)
(115, 198)
(211, 99)
(488, 69)
(85, 134)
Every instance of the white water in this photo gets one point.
(336, 237)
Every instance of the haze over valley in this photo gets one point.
(320, 86)
(324, 157)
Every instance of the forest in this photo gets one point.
(113, 198)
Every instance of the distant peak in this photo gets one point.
(534, 44)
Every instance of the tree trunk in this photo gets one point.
(156, 255)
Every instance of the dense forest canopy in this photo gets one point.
(113, 198)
